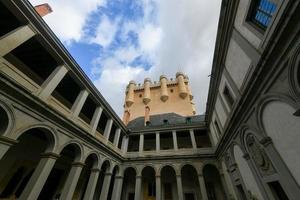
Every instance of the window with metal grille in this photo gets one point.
(262, 12)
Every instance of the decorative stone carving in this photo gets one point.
(260, 158)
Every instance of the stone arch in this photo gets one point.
(24, 155)
(77, 147)
(51, 135)
(127, 167)
(151, 166)
(190, 181)
(95, 157)
(278, 122)
(294, 73)
(191, 164)
(148, 185)
(108, 163)
(118, 169)
(7, 118)
(264, 101)
(129, 180)
(167, 165)
(210, 162)
(169, 189)
(213, 182)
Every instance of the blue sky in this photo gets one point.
(119, 40)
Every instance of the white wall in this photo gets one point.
(220, 110)
(237, 63)
(284, 129)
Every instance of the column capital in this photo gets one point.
(138, 176)
(266, 141)
(8, 141)
(200, 175)
(158, 176)
(178, 175)
(119, 177)
(50, 155)
(78, 164)
(107, 173)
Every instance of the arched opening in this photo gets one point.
(213, 183)
(148, 183)
(168, 183)
(190, 183)
(112, 182)
(104, 169)
(56, 181)
(247, 175)
(90, 163)
(20, 161)
(283, 127)
(128, 189)
(4, 119)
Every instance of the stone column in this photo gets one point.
(157, 142)
(107, 130)
(192, 135)
(78, 104)
(71, 182)
(158, 187)
(124, 144)
(15, 38)
(105, 186)
(141, 144)
(138, 187)
(5, 144)
(39, 177)
(179, 187)
(52, 82)
(90, 189)
(117, 191)
(202, 187)
(175, 140)
(117, 137)
(95, 119)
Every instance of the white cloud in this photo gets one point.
(182, 39)
(174, 34)
(105, 32)
(150, 37)
(69, 16)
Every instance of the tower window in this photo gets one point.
(261, 13)
(171, 90)
(140, 95)
(228, 96)
(148, 123)
(166, 122)
(188, 120)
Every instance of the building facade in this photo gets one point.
(62, 143)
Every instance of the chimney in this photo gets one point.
(43, 9)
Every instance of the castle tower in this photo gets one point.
(43, 9)
(153, 98)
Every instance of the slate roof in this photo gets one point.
(173, 119)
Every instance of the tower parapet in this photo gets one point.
(157, 97)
